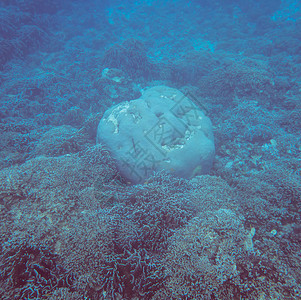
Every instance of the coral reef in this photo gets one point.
(72, 227)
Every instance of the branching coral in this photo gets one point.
(130, 57)
(32, 271)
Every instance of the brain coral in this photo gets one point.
(162, 130)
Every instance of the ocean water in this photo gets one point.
(152, 205)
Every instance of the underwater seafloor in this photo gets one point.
(72, 227)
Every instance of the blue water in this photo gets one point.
(73, 226)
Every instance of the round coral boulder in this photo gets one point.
(162, 130)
